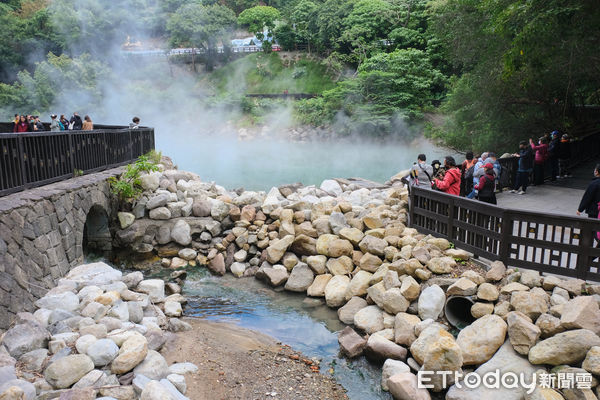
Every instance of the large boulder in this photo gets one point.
(67, 370)
(98, 273)
(443, 354)
(277, 249)
(441, 265)
(351, 343)
(394, 302)
(373, 245)
(359, 284)
(431, 302)
(317, 288)
(181, 233)
(154, 366)
(532, 303)
(65, 301)
(523, 334)
(581, 312)
(132, 352)
(568, 347)
(505, 361)
(300, 279)
(276, 276)
(102, 352)
(335, 291)
(380, 349)
(154, 288)
(348, 311)
(404, 328)
(369, 319)
(480, 340)
(23, 338)
(404, 386)
(392, 367)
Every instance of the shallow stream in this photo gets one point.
(305, 324)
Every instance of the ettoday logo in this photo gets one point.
(508, 380)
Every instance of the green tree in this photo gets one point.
(258, 19)
(74, 83)
(524, 68)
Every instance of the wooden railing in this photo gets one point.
(34, 159)
(544, 242)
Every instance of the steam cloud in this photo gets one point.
(204, 139)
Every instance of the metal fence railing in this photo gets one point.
(34, 159)
(544, 242)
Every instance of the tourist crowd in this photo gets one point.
(32, 123)
(478, 176)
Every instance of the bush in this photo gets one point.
(129, 187)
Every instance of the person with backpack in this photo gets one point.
(451, 182)
(75, 123)
(421, 173)
(525, 167)
(486, 188)
(467, 168)
(541, 154)
(477, 174)
(591, 197)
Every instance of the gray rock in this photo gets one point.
(154, 288)
(68, 370)
(181, 233)
(29, 392)
(178, 381)
(94, 378)
(160, 213)
(337, 221)
(392, 367)
(136, 312)
(153, 390)
(159, 200)
(154, 366)
(183, 368)
(177, 325)
(373, 245)
(33, 360)
(431, 302)
(66, 301)
(506, 360)
(102, 352)
(347, 312)
(24, 338)
(300, 278)
(97, 273)
(369, 319)
(379, 349)
(7, 373)
(568, 347)
(125, 219)
(133, 279)
(173, 391)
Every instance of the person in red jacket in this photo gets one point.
(451, 182)
(541, 154)
(486, 187)
(22, 126)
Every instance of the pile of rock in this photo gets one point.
(98, 333)
(346, 242)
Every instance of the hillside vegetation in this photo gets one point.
(499, 71)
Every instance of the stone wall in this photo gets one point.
(41, 237)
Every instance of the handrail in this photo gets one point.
(545, 242)
(34, 159)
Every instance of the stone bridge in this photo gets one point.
(43, 233)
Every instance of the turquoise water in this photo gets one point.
(260, 164)
(308, 326)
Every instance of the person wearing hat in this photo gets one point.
(553, 152)
(54, 124)
(486, 188)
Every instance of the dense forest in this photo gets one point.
(478, 73)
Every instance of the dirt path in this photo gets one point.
(237, 363)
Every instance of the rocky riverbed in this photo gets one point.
(346, 244)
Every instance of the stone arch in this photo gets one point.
(96, 231)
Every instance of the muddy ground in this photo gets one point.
(237, 363)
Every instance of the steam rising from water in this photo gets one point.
(204, 139)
